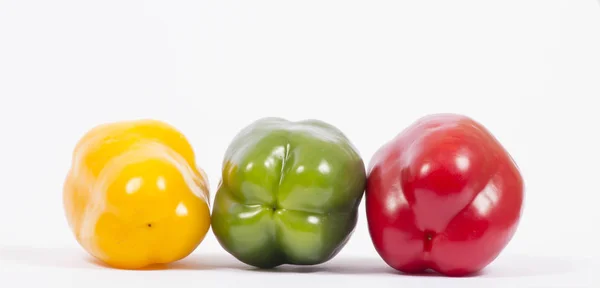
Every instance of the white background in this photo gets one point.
(529, 70)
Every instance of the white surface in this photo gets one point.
(528, 70)
(66, 267)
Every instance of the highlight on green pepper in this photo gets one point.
(289, 193)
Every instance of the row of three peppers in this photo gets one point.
(443, 195)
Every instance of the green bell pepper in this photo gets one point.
(289, 193)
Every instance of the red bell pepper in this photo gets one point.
(443, 195)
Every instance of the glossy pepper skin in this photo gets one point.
(443, 195)
(289, 193)
(134, 197)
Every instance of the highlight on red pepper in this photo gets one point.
(443, 195)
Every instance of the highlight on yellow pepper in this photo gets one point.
(134, 196)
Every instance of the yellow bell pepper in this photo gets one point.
(134, 196)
